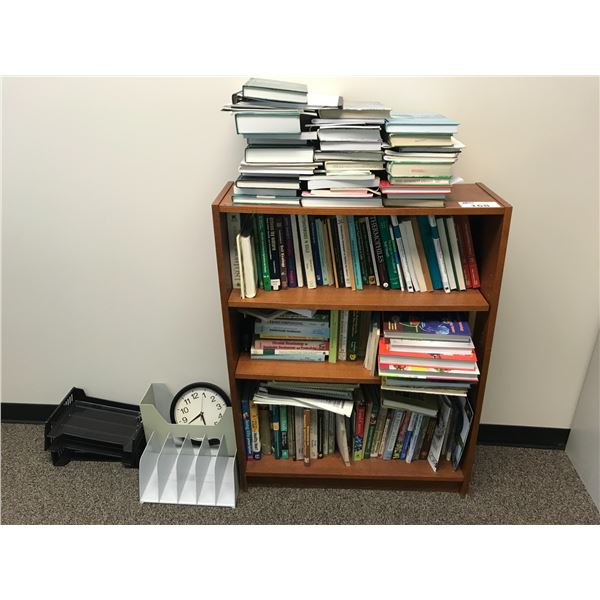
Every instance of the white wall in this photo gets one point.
(583, 447)
(109, 279)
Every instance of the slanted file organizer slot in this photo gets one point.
(175, 471)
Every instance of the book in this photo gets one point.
(306, 421)
(233, 229)
(271, 122)
(455, 254)
(417, 403)
(416, 329)
(255, 431)
(466, 245)
(314, 434)
(278, 91)
(283, 428)
(463, 426)
(441, 431)
(264, 426)
(392, 434)
(359, 429)
(342, 438)
(299, 431)
(276, 432)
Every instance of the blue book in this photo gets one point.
(247, 429)
(409, 432)
(354, 250)
(430, 255)
(392, 434)
(315, 249)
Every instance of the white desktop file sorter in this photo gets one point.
(175, 471)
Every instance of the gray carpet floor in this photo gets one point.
(509, 486)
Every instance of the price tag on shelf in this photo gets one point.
(479, 204)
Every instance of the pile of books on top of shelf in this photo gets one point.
(411, 254)
(419, 157)
(316, 336)
(322, 151)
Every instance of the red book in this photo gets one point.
(386, 349)
(463, 231)
(359, 430)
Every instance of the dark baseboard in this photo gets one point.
(489, 435)
(26, 413)
(523, 437)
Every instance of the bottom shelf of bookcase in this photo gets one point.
(330, 471)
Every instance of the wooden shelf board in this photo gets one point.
(332, 467)
(291, 370)
(462, 192)
(370, 298)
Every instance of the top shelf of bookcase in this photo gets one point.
(461, 192)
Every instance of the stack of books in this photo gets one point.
(272, 116)
(292, 336)
(429, 353)
(350, 146)
(419, 159)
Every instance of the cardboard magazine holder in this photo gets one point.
(176, 467)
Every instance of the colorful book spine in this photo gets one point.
(326, 416)
(343, 251)
(337, 254)
(359, 430)
(396, 255)
(414, 438)
(334, 324)
(388, 253)
(373, 422)
(363, 252)
(273, 253)
(281, 252)
(255, 431)
(439, 255)
(247, 427)
(283, 428)
(403, 431)
(358, 278)
(384, 281)
(408, 436)
(276, 431)
(430, 256)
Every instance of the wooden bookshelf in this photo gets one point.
(489, 228)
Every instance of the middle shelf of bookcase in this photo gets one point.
(370, 298)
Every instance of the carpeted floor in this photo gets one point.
(509, 486)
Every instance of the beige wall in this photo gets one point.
(109, 280)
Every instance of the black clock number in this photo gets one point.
(195, 395)
(184, 419)
(185, 410)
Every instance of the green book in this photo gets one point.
(283, 428)
(263, 257)
(388, 252)
(334, 325)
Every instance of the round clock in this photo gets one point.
(201, 403)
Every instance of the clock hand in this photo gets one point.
(197, 417)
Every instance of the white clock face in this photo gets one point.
(201, 406)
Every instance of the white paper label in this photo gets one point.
(479, 204)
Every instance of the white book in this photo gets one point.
(336, 146)
(297, 253)
(300, 154)
(397, 236)
(343, 335)
(309, 267)
(233, 228)
(247, 266)
(314, 434)
(358, 134)
(343, 251)
(271, 122)
(455, 252)
(446, 252)
(414, 438)
(342, 439)
(441, 428)
(411, 254)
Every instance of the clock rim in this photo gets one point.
(192, 386)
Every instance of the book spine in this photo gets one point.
(370, 252)
(266, 445)
(322, 250)
(423, 426)
(386, 244)
(255, 431)
(264, 256)
(311, 281)
(320, 433)
(446, 255)
(273, 253)
(422, 259)
(337, 252)
(437, 245)
(331, 432)
(363, 259)
(247, 428)
(392, 434)
(358, 278)
(291, 432)
(299, 433)
(373, 422)
(462, 247)
(465, 235)
(315, 250)
(402, 253)
(289, 252)
(306, 435)
(334, 323)
(283, 428)
(332, 258)
(368, 411)
(353, 335)
(342, 438)
(414, 438)
(279, 234)
(381, 417)
(297, 252)
(359, 430)
(384, 433)
(276, 431)
(326, 416)
(426, 445)
(348, 252)
(412, 258)
(409, 432)
(455, 253)
(430, 257)
(314, 434)
(343, 335)
(343, 252)
(233, 228)
(396, 255)
(379, 256)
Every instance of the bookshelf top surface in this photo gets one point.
(462, 192)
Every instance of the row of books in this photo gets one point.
(411, 254)
(322, 151)
(431, 354)
(306, 422)
(310, 335)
